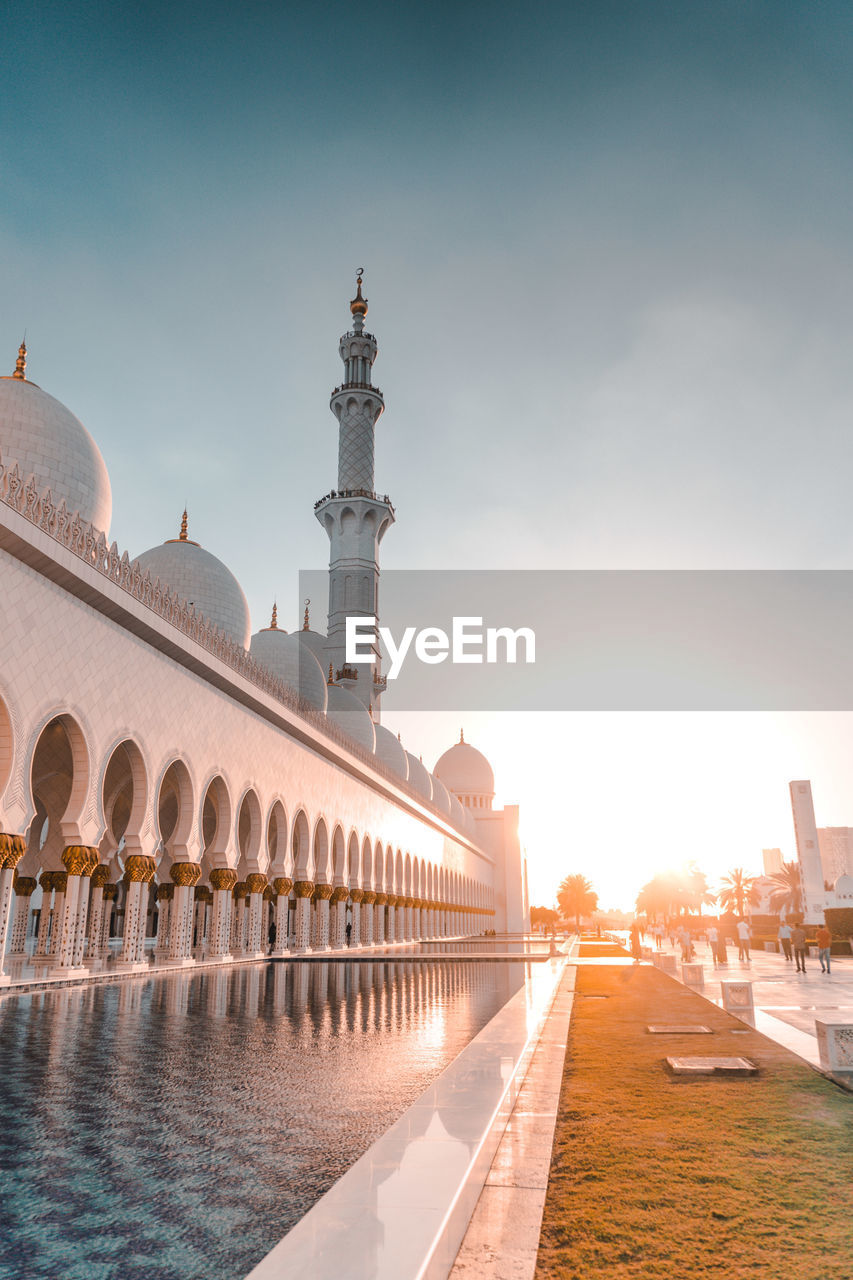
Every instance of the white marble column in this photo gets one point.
(184, 876)
(379, 919)
(79, 862)
(256, 944)
(391, 919)
(222, 882)
(12, 850)
(337, 918)
(322, 894)
(366, 918)
(304, 890)
(25, 887)
(138, 872)
(281, 888)
(165, 897)
(46, 880)
(110, 893)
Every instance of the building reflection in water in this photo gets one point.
(195, 1117)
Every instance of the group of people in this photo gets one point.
(792, 940)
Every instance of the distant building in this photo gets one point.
(772, 859)
(836, 852)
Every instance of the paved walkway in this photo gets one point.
(786, 1002)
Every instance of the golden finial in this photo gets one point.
(461, 735)
(370, 709)
(306, 625)
(331, 679)
(182, 536)
(274, 618)
(21, 363)
(358, 306)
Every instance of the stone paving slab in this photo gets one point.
(706, 1066)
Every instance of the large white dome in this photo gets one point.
(203, 581)
(390, 750)
(465, 771)
(419, 776)
(47, 441)
(351, 715)
(292, 662)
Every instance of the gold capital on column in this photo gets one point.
(340, 894)
(186, 874)
(223, 878)
(12, 849)
(24, 885)
(77, 859)
(136, 868)
(100, 876)
(241, 889)
(357, 895)
(322, 892)
(303, 888)
(46, 880)
(368, 896)
(256, 882)
(203, 894)
(110, 892)
(60, 881)
(165, 892)
(268, 893)
(381, 899)
(282, 884)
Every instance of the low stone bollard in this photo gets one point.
(666, 964)
(737, 997)
(835, 1045)
(693, 975)
(770, 946)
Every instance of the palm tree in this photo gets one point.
(577, 898)
(738, 890)
(787, 892)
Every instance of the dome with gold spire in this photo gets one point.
(291, 661)
(47, 441)
(203, 581)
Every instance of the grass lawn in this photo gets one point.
(655, 1176)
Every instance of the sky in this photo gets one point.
(607, 251)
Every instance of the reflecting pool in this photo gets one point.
(178, 1126)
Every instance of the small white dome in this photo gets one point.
(47, 441)
(419, 776)
(203, 581)
(350, 714)
(292, 662)
(390, 750)
(440, 795)
(466, 771)
(316, 644)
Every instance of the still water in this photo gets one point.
(177, 1127)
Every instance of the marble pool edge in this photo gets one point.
(430, 1212)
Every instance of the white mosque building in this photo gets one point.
(159, 762)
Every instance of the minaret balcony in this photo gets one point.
(335, 494)
(344, 674)
(357, 386)
(380, 684)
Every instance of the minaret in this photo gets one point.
(353, 515)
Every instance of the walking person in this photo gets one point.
(824, 942)
(743, 941)
(721, 948)
(635, 941)
(349, 931)
(798, 942)
(784, 936)
(271, 932)
(713, 941)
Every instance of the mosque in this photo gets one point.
(172, 785)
